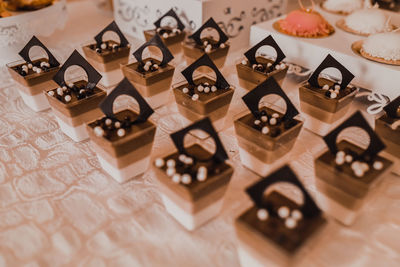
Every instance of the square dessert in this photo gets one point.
(265, 136)
(196, 45)
(203, 96)
(276, 230)
(255, 69)
(34, 76)
(347, 175)
(107, 56)
(151, 77)
(172, 36)
(325, 103)
(193, 181)
(387, 127)
(123, 140)
(74, 103)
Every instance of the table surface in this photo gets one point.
(57, 206)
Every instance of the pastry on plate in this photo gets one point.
(34, 75)
(343, 7)
(193, 180)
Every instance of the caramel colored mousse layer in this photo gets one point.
(391, 137)
(108, 59)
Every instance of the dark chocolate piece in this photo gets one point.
(392, 108)
(112, 27)
(76, 59)
(284, 174)
(268, 87)
(205, 61)
(171, 13)
(155, 41)
(24, 53)
(126, 88)
(206, 126)
(269, 41)
(356, 120)
(331, 62)
(210, 23)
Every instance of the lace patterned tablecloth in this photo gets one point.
(57, 207)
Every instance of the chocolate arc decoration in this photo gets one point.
(268, 41)
(268, 87)
(210, 23)
(283, 175)
(112, 27)
(24, 53)
(76, 59)
(356, 120)
(206, 126)
(205, 60)
(157, 42)
(126, 88)
(331, 62)
(392, 107)
(171, 13)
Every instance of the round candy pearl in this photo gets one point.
(275, 115)
(155, 66)
(333, 95)
(264, 118)
(213, 88)
(201, 177)
(50, 93)
(98, 131)
(159, 162)
(117, 124)
(188, 161)
(207, 90)
(208, 49)
(257, 122)
(290, 223)
(269, 64)
(222, 45)
(272, 121)
(339, 160)
(186, 178)
(171, 163)
(337, 87)
(262, 214)
(244, 62)
(121, 132)
(195, 97)
(348, 158)
(30, 66)
(200, 88)
(146, 67)
(283, 212)
(359, 172)
(176, 178)
(340, 154)
(165, 35)
(378, 165)
(103, 46)
(185, 90)
(67, 98)
(182, 157)
(60, 91)
(205, 43)
(325, 87)
(265, 130)
(108, 122)
(283, 65)
(297, 215)
(171, 171)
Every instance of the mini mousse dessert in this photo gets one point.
(255, 69)
(107, 55)
(171, 36)
(324, 102)
(34, 76)
(197, 44)
(387, 127)
(193, 180)
(276, 230)
(265, 135)
(203, 96)
(343, 7)
(75, 102)
(347, 175)
(123, 140)
(151, 77)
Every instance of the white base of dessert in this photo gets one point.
(188, 220)
(122, 175)
(319, 127)
(247, 260)
(333, 208)
(77, 133)
(218, 126)
(111, 78)
(396, 162)
(159, 100)
(36, 102)
(257, 166)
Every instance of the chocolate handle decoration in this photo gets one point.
(205, 60)
(171, 13)
(112, 27)
(206, 126)
(268, 87)
(356, 120)
(157, 42)
(268, 41)
(392, 109)
(24, 53)
(76, 59)
(126, 88)
(331, 62)
(283, 175)
(210, 23)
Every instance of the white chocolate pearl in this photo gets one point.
(159, 162)
(222, 45)
(195, 97)
(257, 122)
(30, 66)
(103, 46)
(265, 130)
(98, 131)
(171, 171)
(290, 223)
(244, 62)
(359, 172)
(202, 169)
(165, 35)
(117, 124)
(38, 70)
(206, 84)
(176, 178)
(186, 178)
(205, 43)
(269, 64)
(339, 160)
(272, 121)
(337, 87)
(348, 158)
(213, 88)
(254, 66)
(171, 163)
(155, 66)
(60, 91)
(340, 154)
(325, 87)
(108, 122)
(200, 88)
(283, 212)
(64, 88)
(185, 90)
(283, 65)
(182, 157)
(146, 67)
(148, 63)
(34, 69)
(201, 176)
(82, 91)
(262, 214)
(208, 49)
(259, 66)
(264, 118)
(207, 90)
(333, 95)
(67, 98)
(297, 215)
(188, 161)
(50, 93)
(275, 115)
(364, 166)
(378, 165)
(121, 132)
(70, 85)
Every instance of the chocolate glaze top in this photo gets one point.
(35, 63)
